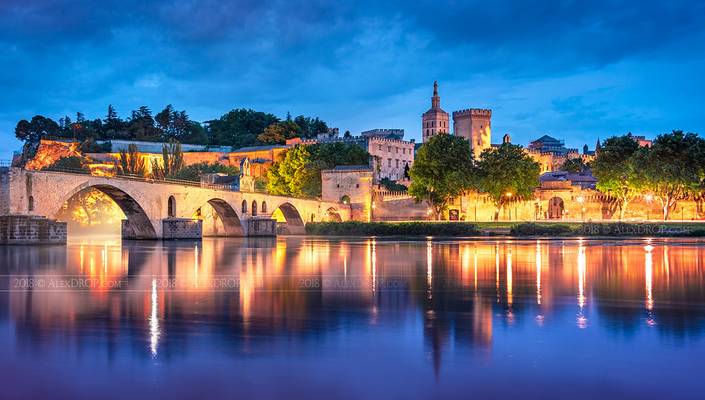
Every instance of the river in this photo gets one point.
(353, 318)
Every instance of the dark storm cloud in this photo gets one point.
(322, 56)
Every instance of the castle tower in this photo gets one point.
(475, 125)
(435, 120)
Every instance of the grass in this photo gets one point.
(392, 228)
(612, 229)
(517, 229)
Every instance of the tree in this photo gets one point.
(36, 129)
(574, 165)
(171, 163)
(113, 126)
(615, 170)
(31, 133)
(279, 132)
(672, 168)
(443, 170)
(141, 125)
(298, 171)
(131, 162)
(239, 128)
(293, 174)
(507, 174)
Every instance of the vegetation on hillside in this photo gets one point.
(298, 171)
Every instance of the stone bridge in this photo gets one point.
(148, 204)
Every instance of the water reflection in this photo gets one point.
(262, 296)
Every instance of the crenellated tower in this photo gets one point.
(475, 125)
(435, 120)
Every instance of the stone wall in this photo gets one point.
(181, 228)
(355, 184)
(4, 190)
(25, 229)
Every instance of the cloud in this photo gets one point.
(338, 59)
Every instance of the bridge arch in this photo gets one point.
(137, 224)
(228, 216)
(289, 219)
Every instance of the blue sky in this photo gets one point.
(577, 70)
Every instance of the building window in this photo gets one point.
(379, 147)
(396, 150)
(389, 149)
(389, 162)
(397, 163)
(264, 207)
(254, 208)
(338, 185)
(357, 185)
(171, 207)
(244, 206)
(30, 203)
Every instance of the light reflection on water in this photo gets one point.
(285, 316)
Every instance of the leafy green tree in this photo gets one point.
(506, 173)
(239, 128)
(31, 132)
(615, 171)
(279, 132)
(113, 126)
(298, 172)
(672, 168)
(309, 127)
(36, 129)
(131, 162)
(574, 165)
(142, 127)
(443, 169)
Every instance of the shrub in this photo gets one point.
(392, 229)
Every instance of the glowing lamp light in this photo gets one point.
(580, 199)
(509, 194)
(649, 197)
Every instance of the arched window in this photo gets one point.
(264, 207)
(244, 206)
(313, 217)
(30, 203)
(254, 208)
(171, 207)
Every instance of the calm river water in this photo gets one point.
(307, 317)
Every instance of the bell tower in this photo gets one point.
(435, 120)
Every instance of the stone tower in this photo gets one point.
(435, 120)
(474, 125)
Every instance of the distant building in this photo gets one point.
(434, 121)
(549, 144)
(384, 133)
(643, 141)
(389, 157)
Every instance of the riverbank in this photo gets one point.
(516, 229)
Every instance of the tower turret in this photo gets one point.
(435, 120)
